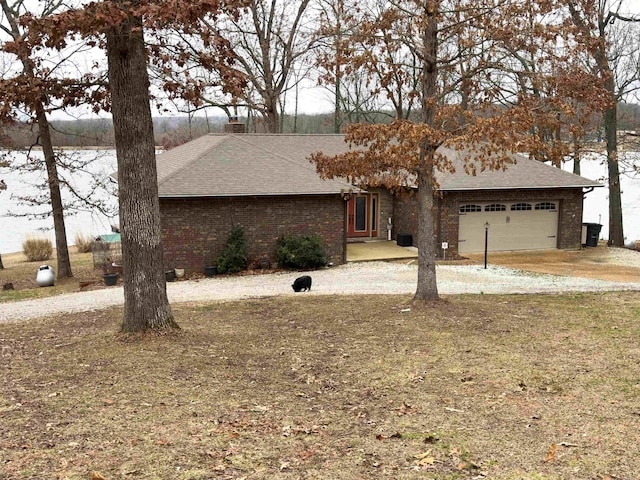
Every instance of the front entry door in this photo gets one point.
(361, 216)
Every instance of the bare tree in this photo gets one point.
(610, 38)
(3, 186)
(457, 107)
(32, 88)
(269, 42)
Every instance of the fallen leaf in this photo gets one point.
(97, 476)
(551, 454)
(424, 459)
(420, 456)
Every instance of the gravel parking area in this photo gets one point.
(353, 278)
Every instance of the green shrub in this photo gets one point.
(83, 244)
(37, 249)
(301, 252)
(234, 256)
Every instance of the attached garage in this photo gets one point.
(528, 206)
(519, 225)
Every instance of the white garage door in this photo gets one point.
(512, 226)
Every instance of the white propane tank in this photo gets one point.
(46, 276)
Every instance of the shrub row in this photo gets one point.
(292, 252)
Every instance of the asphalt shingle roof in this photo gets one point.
(238, 165)
(525, 173)
(270, 164)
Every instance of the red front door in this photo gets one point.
(361, 216)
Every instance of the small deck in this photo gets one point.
(379, 250)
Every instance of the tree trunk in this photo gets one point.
(427, 289)
(1, 265)
(616, 234)
(44, 132)
(272, 115)
(577, 149)
(145, 296)
(62, 250)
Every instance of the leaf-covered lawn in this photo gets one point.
(500, 387)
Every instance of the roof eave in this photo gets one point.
(228, 195)
(530, 187)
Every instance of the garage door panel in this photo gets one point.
(508, 230)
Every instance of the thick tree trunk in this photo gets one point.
(1, 265)
(427, 289)
(62, 249)
(145, 297)
(616, 234)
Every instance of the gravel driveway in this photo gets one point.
(353, 278)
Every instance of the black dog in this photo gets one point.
(302, 284)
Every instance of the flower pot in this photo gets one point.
(211, 270)
(179, 272)
(110, 279)
(170, 275)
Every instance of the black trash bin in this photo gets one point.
(593, 234)
(404, 240)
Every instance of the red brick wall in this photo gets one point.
(446, 208)
(194, 231)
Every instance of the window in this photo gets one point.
(470, 208)
(361, 214)
(546, 206)
(520, 206)
(374, 213)
(495, 207)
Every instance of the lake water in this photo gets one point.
(14, 230)
(596, 203)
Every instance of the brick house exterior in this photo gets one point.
(266, 184)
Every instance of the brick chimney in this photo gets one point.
(234, 126)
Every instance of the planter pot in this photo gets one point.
(179, 272)
(211, 270)
(170, 275)
(110, 279)
(45, 276)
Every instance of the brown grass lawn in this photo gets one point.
(499, 387)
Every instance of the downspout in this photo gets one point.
(439, 225)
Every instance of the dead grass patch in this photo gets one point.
(594, 263)
(504, 387)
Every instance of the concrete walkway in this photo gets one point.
(368, 251)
